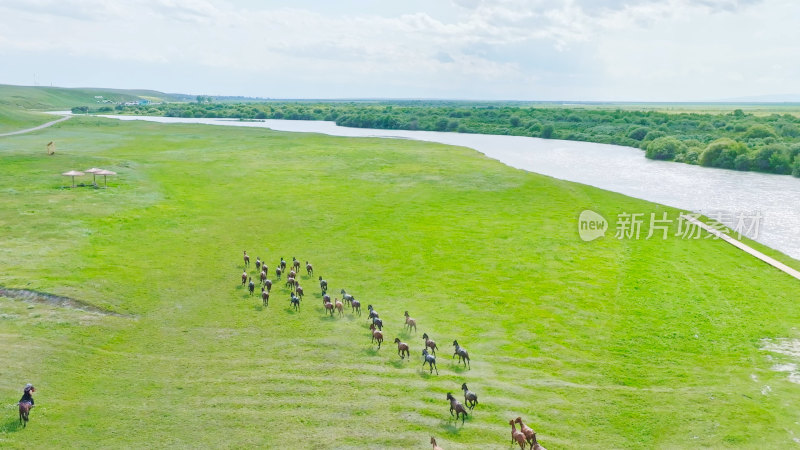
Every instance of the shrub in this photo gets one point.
(665, 148)
(722, 153)
(638, 133)
(759, 132)
(742, 162)
(547, 131)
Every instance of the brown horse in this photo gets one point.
(356, 306)
(264, 297)
(377, 335)
(517, 436)
(435, 447)
(339, 307)
(24, 411)
(246, 259)
(295, 264)
(429, 343)
(309, 269)
(244, 278)
(263, 277)
(298, 289)
(456, 406)
(329, 308)
(410, 323)
(402, 348)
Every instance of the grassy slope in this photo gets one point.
(19, 104)
(634, 344)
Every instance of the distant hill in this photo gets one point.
(775, 98)
(49, 98)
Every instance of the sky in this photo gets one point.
(548, 50)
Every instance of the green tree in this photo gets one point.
(547, 131)
(664, 148)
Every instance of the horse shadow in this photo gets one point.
(451, 426)
(372, 351)
(399, 363)
(11, 426)
(460, 368)
(291, 310)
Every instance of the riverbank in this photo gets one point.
(728, 195)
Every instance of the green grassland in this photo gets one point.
(21, 106)
(607, 344)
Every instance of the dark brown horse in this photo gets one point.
(309, 269)
(429, 343)
(24, 411)
(456, 406)
(264, 297)
(295, 264)
(356, 306)
(246, 259)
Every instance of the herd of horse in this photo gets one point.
(524, 436)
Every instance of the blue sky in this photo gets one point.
(612, 50)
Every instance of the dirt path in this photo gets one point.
(28, 130)
(771, 261)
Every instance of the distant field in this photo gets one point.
(608, 344)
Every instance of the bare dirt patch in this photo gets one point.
(57, 300)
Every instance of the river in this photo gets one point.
(725, 194)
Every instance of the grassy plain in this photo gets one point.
(608, 344)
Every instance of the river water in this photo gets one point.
(764, 206)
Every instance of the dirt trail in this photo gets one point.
(771, 261)
(28, 130)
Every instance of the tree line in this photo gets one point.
(735, 140)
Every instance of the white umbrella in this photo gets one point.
(105, 173)
(93, 171)
(73, 174)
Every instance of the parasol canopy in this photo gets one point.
(105, 173)
(93, 171)
(73, 174)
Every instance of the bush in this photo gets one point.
(638, 133)
(759, 132)
(722, 153)
(547, 131)
(742, 162)
(653, 135)
(665, 148)
(796, 167)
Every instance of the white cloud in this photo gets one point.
(546, 49)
